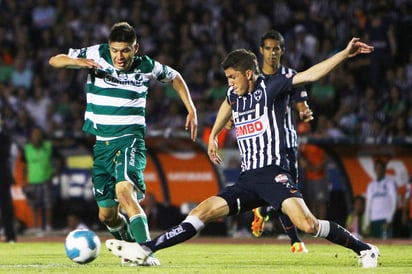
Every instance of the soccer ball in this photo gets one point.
(82, 246)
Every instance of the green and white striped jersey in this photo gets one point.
(116, 100)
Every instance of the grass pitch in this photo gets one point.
(191, 257)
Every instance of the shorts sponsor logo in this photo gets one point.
(132, 156)
(281, 178)
(284, 180)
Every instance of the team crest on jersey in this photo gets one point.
(109, 70)
(257, 94)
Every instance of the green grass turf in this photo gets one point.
(208, 258)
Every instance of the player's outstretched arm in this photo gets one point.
(65, 61)
(223, 116)
(314, 73)
(180, 86)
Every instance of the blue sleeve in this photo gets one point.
(300, 94)
(279, 85)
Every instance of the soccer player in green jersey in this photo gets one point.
(117, 86)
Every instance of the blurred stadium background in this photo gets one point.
(363, 109)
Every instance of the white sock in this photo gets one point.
(324, 228)
(195, 222)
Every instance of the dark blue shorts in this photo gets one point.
(270, 185)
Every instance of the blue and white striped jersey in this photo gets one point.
(299, 95)
(259, 119)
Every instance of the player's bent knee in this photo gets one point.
(210, 209)
(205, 215)
(308, 226)
(108, 219)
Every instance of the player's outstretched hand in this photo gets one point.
(306, 115)
(356, 47)
(191, 121)
(212, 152)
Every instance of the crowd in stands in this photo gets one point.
(369, 96)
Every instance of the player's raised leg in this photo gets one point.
(301, 216)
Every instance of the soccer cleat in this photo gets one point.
(126, 262)
(369, 258)
(258, 223)
(298, 247)
(132, 252)
(151, 261)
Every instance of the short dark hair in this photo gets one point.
(241, 60)
(272, 34)
(122, 32)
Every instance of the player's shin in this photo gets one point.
(140, 228)
(177, 234)
(339, 235)
(121, 232)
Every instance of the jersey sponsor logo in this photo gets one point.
(123, 80)
(249, 129)
(250, 111)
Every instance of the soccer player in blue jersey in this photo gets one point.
(117, 86)
(258, 105)
(272, 48)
